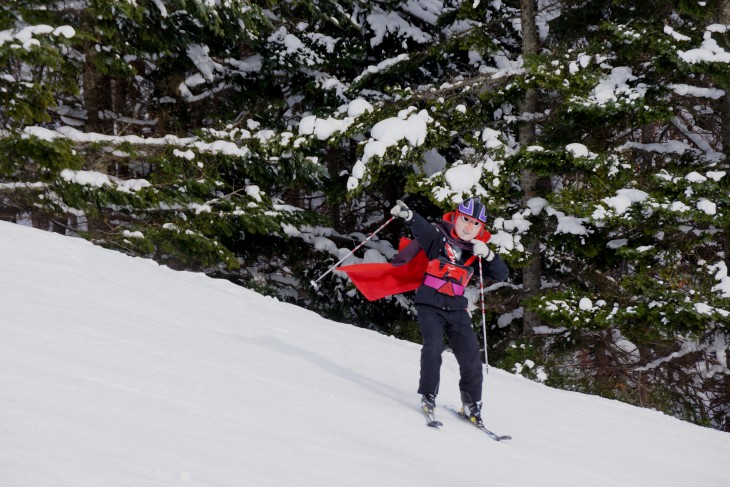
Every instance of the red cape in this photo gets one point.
(376, 281)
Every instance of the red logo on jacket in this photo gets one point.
(450, 253)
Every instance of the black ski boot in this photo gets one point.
(428, 403)
(471, 410)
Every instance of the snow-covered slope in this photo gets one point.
(115, 371)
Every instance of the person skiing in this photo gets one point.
(452, 248)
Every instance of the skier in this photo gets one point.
(452, 247)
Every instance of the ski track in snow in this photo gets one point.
(115, 371)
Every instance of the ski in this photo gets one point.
(431, 418)
(488, 432)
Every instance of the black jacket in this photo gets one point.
(433, 239)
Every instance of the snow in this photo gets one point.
(254, 192)
(323, 128)
(491, 138)
(617, 244)
(161, 7)
(65, 30)
(117, 371)
(390, 23)
(98, 180)
(216, 147)
(409, 125)
(571, 225)
(132, 185)
(616, 86)
(621, 202)
(709, 52)
(721, 275)
(358, 107)
(630, 352)
(199, 55)
(583, 60)
(381, 66)
(427, 10)
(392, 130)
(506, 319)
(707, 206)
(536, 205)
(688, 90)
(578, 150)
(462, 178)
(675, 35)
(715, 175)
(86, 178)
(668, 147)
(25, 35)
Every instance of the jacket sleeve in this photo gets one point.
(494, 270)
(427, 235)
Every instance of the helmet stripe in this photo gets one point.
(467, 207)
(483, 214)
(473, 208)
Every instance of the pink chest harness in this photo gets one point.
(444, 287)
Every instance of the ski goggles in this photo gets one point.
(474, 209)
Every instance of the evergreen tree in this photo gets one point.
(132, 159)
(636, 256)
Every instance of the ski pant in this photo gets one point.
(433, 323)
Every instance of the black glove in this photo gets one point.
(401, 210)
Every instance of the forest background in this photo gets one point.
(260, 141)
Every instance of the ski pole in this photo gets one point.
(314, 282)
(484, 316)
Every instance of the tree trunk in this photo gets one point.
(723, 17)
(96, 88)
(97, 95)
(532, 273)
